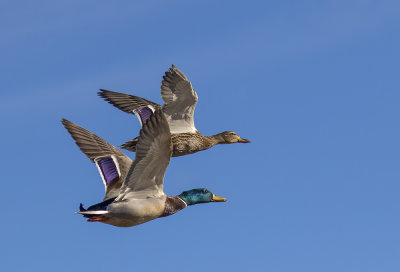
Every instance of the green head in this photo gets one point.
(201, 195)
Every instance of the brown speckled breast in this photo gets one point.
(173, 204)
(183, 143)
(189, 143)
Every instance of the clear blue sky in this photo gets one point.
(314, 84)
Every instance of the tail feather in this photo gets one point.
(130, 145)
(89, 214)
(95, 210)
(81, 208)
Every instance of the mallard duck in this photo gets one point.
(180, 101)
(134, 190)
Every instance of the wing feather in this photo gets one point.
(98, 150)
(180, 101)
(178, 95)
(125, 102)
(145, 177)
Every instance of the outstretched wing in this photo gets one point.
(111, 162)
(180, 101)
(141, 107)
(145, 177)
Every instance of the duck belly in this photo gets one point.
(135, 211)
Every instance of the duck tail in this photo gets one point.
(81, 208)
(95, 210)
(90, 213)
(130, 145)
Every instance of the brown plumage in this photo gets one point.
(180, 101)
(173, 204)
(189, 143)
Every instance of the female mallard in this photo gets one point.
(180, 101)
(134, 191)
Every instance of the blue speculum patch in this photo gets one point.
(145, 114)
(109, 169)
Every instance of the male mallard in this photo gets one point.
(134, 191)
(180, 101)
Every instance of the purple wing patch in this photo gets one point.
(144, 114)
(109, 169)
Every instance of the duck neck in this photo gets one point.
(216, 139)
(173, 204)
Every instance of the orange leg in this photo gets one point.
(97, 219)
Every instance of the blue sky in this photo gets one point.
(313, 84)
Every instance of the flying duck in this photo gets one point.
(134, 190)
(179, 103)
